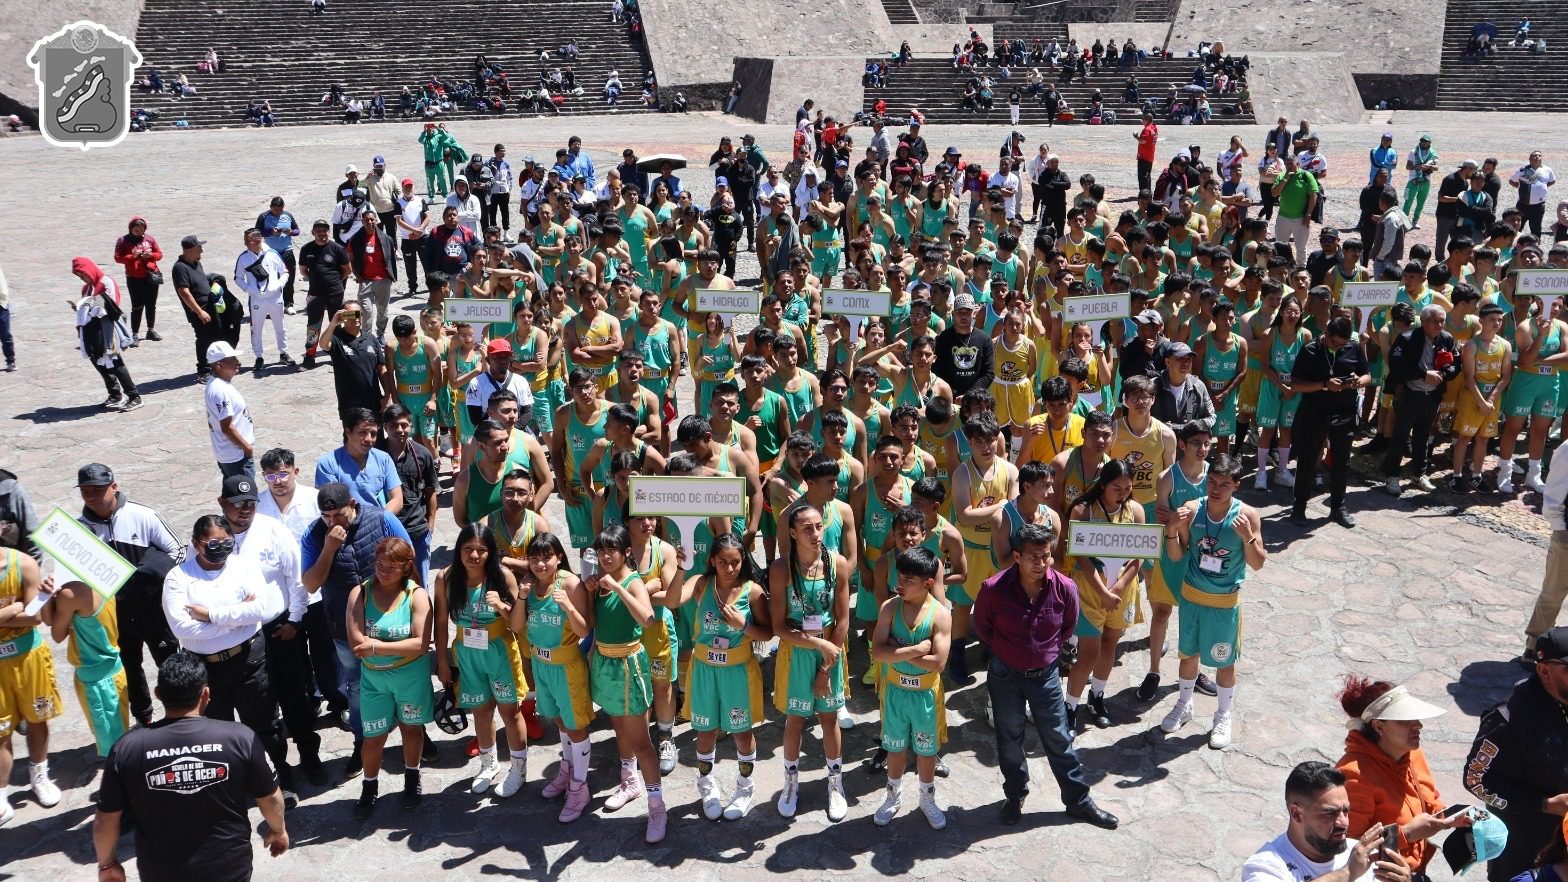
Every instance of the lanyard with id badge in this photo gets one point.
(476, 638)
(718, 651)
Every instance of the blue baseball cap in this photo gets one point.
(379, 160)
(1483, 840)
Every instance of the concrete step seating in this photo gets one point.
(1513, 79)
(900, 12)
(932, 85)
(280, 52)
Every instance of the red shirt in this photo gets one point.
(1023, 633)
(375, 261)
(1146, 140)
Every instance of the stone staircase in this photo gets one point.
(936, 88)
(277, 50)
(1513, 79)
(900, 12)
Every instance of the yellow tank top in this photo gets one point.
(1078, 479)
(1145, 454)
(1012, 365)
(983, 491)
(11, 588)
(1489, 363)
(597, 333)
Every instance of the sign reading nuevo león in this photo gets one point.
(97, 565)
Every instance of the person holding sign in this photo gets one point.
(86, 618)
(1219, 538)
(1487, 370)
(724, 688)
(1108, 590)
(27, 686)
(579, 424)
(809, 606)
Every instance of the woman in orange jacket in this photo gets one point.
(1386, 773)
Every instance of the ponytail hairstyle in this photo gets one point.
(794, 557)
(1095, 492)
(457, 575)
(1357, 695)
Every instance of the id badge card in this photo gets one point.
(1210, 563)
(476, 638)
(811, 623)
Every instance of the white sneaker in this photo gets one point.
(630, 790)
(740, 801)
(666, 756)
(708, 795)
(1219, 732)
(1393, 488)
(515, 776)
(891, 805)
(486, 777)
(1425, 485)
(1505, 483)
(1178, 717)
(838, 806)
(1261, 480)
(789, 797)
(933, 812)
(1284, 477)
(845, 721)
(7, 813)
(44, 790)
(1533, 482)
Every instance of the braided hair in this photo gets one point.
(794, 557)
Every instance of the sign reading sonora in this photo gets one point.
(1369, 294)
(97, 565)
(682, 496)
(1540, 282)
(1097, 307)
(837, 301)
(1095, 539)
(478, 311)
(729, 302)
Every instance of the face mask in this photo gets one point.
(218, 550)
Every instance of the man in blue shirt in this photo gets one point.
(563, 166)
(369, 473)
(578, 161)
(631, 174)
(278, 229)
(1383, 156)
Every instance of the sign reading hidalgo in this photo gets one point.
(729, 302)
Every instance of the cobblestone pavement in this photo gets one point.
(1405, 597)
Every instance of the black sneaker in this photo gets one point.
(310, 360)
(112, 402)
(154, 336)
(1459, 484)
(1343, 518)
(1298, 517)
(287, 359)
(1097, 712)
(1205, 686)
(260, 366)
(430, 752)
(942, 771)
(1012, 811)
(355, 764)
(368, 790)
(413, 789)
(1150, 687)
(1074, 717)
(313, 770)
(133, 404)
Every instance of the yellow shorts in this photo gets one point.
(1451, 397)
(661, 651)
(1093, 619)
(28, 690)
(606, 380)
(1469, 422)
(980, 567)
(1251, 386)
(1014, 402)
(1159, 590)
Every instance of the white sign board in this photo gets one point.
(1118, 541)
(478, 311)
(1097, 308)
(687, 500)
(837, 301)
(1547, 284)
(1368, 296)
(92, 562)
(729, 302)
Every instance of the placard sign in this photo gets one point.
(75, 547)
(1367, 296)
(1116, 541)
(724, 302)
(1096, 309)
(1547, 284)
(687, 500)
(839, 301)
(478, 311)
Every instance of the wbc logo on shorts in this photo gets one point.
(410, 711)
(739, 717)
(923, 741)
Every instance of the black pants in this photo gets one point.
(411, 254)
(288, 287)
(239, 685)
(1146, 175)
(729, 255)
(388, 222)
(206, 335)
(498, 205)
(322, 654)
(1058, 216)
(1414, 413)
(1267, 211)
(144, 301)
(1532, 216)
(1037, 201)
(288, 668)
(1313, 433)
(317, 306)
(116, 378)
(141, 625)
(746, 204)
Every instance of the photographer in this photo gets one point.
(1327, 373)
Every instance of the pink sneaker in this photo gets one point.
(629, 791)
(576, 802)
(558, 785)
(658, 819)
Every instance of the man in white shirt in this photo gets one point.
(228, 422)
(771, 183)
(1011, 185)
(1532, 182)
(469, 212)
(214, 608)
(262, 274)
(266, 542)
(499, 205)
(496, 376)
(413, 216)
(1314, 846)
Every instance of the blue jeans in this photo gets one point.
(348, 669)
(422, 558)
(1010, 691)
(6, 345)
(246, 467)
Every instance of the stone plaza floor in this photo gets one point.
(1432, 592)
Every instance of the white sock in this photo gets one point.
(1072, 700)
(520, 755)
(629, 766)
(894, 783)
(566, 747)
(928, 788)
(580, 752)
(371, 779)
(709, 758)
(835, 767)
(414, 767)
(655, 793)
(748, 763)
(666, 729)
(1227, 696)
(1185, 688)
(792, 766)
(487, 751)
(1533, 467)
(1018, 444)
(1284, 458)
(42, 767)
(1097, 687)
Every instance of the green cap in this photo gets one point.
(1426, 137)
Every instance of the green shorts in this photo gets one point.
(826, 262)
(579, 518)
(106, 707)
(865, 600)
(794, 676)
(1531, 395)
(623, 687)
(1214, 635)
(398, 697)
(1274, 410)
(724, 698)
(658, 386)
(908, 718)
(1225, 419)
(553, 396)
(424, 424)
(484, 675)
(561, 691)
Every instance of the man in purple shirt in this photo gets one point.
(1024, 615)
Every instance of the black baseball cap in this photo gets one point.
(94, 474)
(191, 242)
(334, 496)
(1552, 645)
(238, 489)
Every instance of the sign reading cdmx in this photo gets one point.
(84, 72)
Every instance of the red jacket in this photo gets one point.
(139, 263)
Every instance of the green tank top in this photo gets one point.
(873, 421)
(723, 367)
(1552, 345)
(601, 472)
(547, 619)
(484, 497)
(390, 625)
(612, 621)
(634, 229)
(1184, 491)
(799, 401)
(1216, 539)
(412, 374)
(528, 350)
(1219, 367)
(580, 438)
(907, 636)
(810, 597)
(878, 520)
(842, 487)
(708, 625)
(612, 264)
(933, 540)
(833, 528)
(900, 214)
(657, 351)
(766, 407)
(476, 613)
(1283, 357)
(849, 435)
(933, 219)
(93, 650)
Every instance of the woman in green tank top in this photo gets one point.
(618, 670)
(717, 356)
(389, 626)
(724, 680)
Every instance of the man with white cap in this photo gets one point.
(1518, 764)
(382, 191)
(1449, 189)
(228, 420)
(350, 183)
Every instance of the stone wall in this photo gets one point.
(21, 24)
(1404, 38)
(774, 88)
(1315, 86)
(1418, 91)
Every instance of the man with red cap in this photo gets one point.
(497, 376)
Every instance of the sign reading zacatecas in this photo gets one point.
(84, 72)
(1092, 539)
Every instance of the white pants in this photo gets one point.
(1013, 110)
(260, 312)
(1286, 228)
(375, 299)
